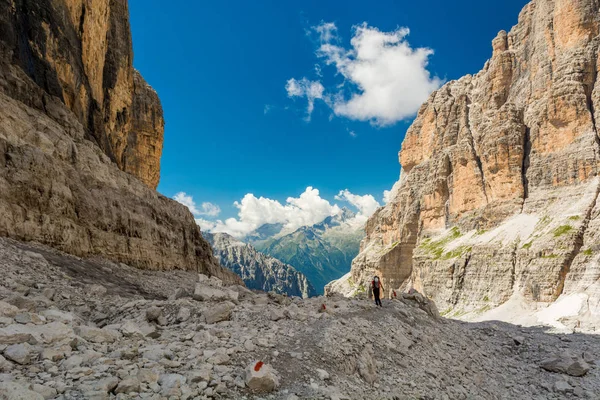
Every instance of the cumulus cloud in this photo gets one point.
(305, 210)
(312, 90)
(366, 204)
(387, 196)
(206, 209)
(385, 79)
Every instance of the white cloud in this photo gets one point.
(312, 90)
(388, 80)
(210, 209)
(387, 196)
(366, 204)
(305, 210)
(352, 133)
(207, 209)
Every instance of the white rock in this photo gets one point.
(261, 377)
(8, 310)
(131, 329)
(14, 391)
(96, 335)
(128, 385)
(209, 293)
(153, 314)
(184, 314)
(323, 375)
(218, 313)
(21, 353)
(46, 391)
(5, 365)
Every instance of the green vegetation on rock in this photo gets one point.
(562, 230)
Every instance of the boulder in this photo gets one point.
(28, 318)
(8, 310)
(261, 378)
(46, 391)
(276, 314)
(218, 313)
(566, 363)
(171, 383)
(13, 334)
(207, 293)
(56, 315)
(21, 353)
(96, 335)
(97, 290)
(146, 375)
(184, 314)
(22, 303)
(153, 314)
(5, 365)
(179, 293)
(128, 385)
(131, 329)
(14, 391)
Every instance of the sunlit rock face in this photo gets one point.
(81, 138)
(498, 192)
(81, 52)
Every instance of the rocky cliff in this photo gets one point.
(498, 194)
(80, 51)
(80, 140)
(258, 271)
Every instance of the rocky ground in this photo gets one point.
(90, 329)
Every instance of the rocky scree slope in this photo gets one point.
(80, 140)
(498, 194)
(257, 270)
(91, 329)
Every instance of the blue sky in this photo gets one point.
(221, 69)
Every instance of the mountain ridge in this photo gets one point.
(258, 271)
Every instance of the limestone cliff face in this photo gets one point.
(73, 116)
(499, 185)
(80, 51)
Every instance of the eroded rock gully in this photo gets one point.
(92, 329)
(501, 169)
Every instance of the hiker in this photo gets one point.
(377, 289)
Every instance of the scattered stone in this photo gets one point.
(14, 391)
(128, 385)
(22, 303)
(8, 310)
(179, 293)
(323, 375)
(153, 314)
(563, 387)
(46, 391)
(261, 377)
(566, 363)
(184, 314)
(21, 353)
(218, 313)
(96, 335)
(131, 329)
(97, 290)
